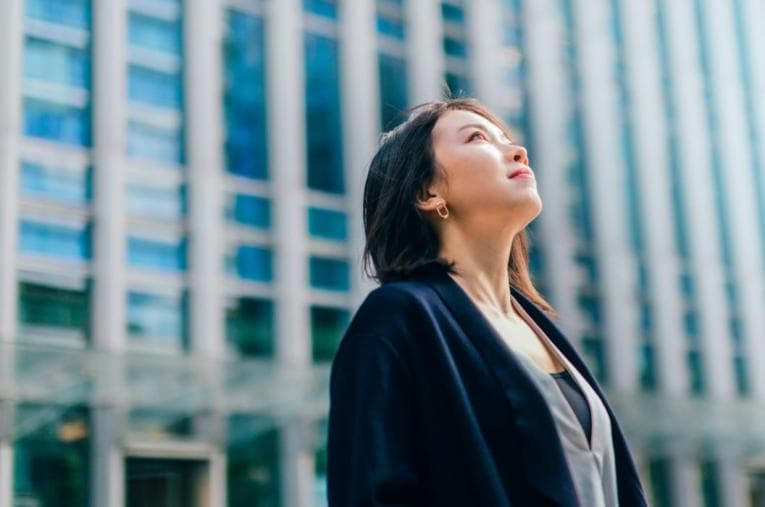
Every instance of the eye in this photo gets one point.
(477, 132)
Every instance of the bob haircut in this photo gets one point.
(399, 239)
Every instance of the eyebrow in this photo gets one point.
(481, 127)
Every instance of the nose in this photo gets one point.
(519, 154)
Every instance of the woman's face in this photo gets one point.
(478, 160)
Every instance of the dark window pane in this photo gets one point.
(323, 123)
(327, 8)
(393, 90)
(51, 463)
(252, 464)
(328, 224)
(249, 210)
(42, 305)
(327, 329)
(253, 263)
(330, 274)
(54, 240)
(250, 327)
(452, 13)
(245, 97)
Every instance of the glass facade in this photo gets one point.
(156, 320)
(54, 240)
(327, 328)
(455, 47)
(50, 307)
(250, 327)
(156, 255)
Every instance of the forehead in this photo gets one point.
(450, 122)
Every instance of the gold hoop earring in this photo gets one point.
(438, 210)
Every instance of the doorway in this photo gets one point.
(158, 482)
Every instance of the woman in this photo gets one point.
(452, 386)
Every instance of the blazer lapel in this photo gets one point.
(544, 459)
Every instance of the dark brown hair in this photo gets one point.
(399, 239)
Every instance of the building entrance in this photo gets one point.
(153, 482)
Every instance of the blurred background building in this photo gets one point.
(180, 227)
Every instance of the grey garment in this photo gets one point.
(592, 466)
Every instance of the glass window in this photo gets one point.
(455, 47)
(742, 377)
(252, 464)
(390, 27)
(659, 476)
(249, 210)
(50, 61)
(326, 8)
(250, 327)
(245, 97)
(327, 329)
(154, 143)
(452, 13)
(168, 203)
(327, 224)
(695, 371)
(709, 484)
(154, 87)
(74, 13)
(54, 240)
(56, 122)
(156, 319)
(330, 274)
(51, 457)
(162, 423)
(393, 90)
(590, 307)
(321, 428)
(323, 123)
(43, 305)
(251, 263)
(154, 33)
(647, 367)
(60, 185)
(154, 254)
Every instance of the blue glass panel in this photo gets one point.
(393, 90)
(56, 122)
(326, 8)
(742, 376)
(390, 27)
(254, 263)
(54, 240)
(245, 97)
(67, 12)
(647, 367)
(152, 143)
(454, 47)
(154, 87)
(155, 202)
(147, 253)
(329, 224)
(154, 33)
(250, 210)
(40, 181)
(323, 123)
(695, 371)
(155, 316)
(452, 13)
(331, 274)
(590, 306)
(56, 63)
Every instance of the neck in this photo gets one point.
(481, 260)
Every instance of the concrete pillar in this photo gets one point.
(109, 53)
(484, 20)
(287, 163)
(686, 481)
(739, 185)
(652, 160)
(693, 139)
(425, 56)
(607, 178)
(203, 32)
(733, 480)
(549, 111)
(11, 42)
(360, 79)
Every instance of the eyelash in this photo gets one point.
(474, 134)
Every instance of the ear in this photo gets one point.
(429, 199)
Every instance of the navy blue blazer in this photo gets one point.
(429, 408)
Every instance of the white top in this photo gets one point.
(592, 469)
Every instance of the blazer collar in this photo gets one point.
(551, 476)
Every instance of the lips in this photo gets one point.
(521, 170)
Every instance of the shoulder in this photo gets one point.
(393, 313)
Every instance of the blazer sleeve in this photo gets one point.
(371, 443)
